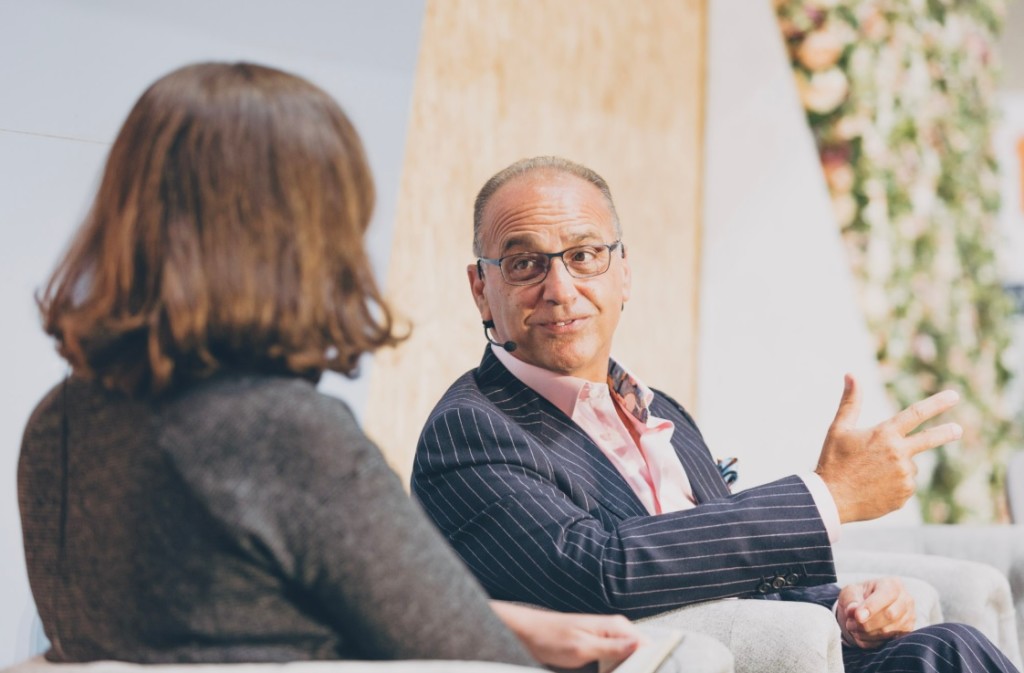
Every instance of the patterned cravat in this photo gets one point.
(632, 395)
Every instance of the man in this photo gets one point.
(562, 481)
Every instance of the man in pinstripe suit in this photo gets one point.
(561, 480)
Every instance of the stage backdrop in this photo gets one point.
(616, 86)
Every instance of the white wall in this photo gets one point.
(70, 72)
(779, 320)
(1010, 130)
(1010, 253)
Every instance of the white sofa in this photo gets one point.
(745, 636)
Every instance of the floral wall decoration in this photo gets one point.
(900, 95)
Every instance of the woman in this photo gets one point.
(186, 494)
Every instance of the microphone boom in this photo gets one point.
(509, 345)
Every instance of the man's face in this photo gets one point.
(563, 324)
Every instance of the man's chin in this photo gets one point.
(574, 364)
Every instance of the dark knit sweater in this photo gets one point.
(244, 519)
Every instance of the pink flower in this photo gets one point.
(839, 175)
(820, 49)
(824, 91)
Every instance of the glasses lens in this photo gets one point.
(524, 268)
(587, 260)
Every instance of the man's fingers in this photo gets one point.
(881, 593)
(849, 404)
(889, 604)
(919, 412)
(851, 595)
(932, 437)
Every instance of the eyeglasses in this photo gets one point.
(530, 268)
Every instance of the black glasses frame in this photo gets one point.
(550, 256)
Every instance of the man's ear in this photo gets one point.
(474, 273)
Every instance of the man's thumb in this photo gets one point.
(849, 403)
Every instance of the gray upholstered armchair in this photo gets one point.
(985, 547)
(786, 637)
(959, 573)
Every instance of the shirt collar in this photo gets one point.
(565, 391)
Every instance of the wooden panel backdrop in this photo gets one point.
(618, 86)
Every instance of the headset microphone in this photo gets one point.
(508, 345)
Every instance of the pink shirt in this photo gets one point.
(649, 464)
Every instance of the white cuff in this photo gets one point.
(826, 504)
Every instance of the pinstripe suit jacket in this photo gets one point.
(540, 515)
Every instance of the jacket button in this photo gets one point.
(792, 579)
(764, 588)
(778, 582)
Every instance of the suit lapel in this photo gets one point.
(705, 479)
(568, 448)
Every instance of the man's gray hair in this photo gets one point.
(526, 166)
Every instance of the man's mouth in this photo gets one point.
(566, 325)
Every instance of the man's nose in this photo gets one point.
(559, 285)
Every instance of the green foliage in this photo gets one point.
(900, 96)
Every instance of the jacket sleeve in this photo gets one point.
(531, 534)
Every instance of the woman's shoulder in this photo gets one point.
(77, 398)
(244, 396)
(261, 413)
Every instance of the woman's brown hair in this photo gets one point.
(227, 233)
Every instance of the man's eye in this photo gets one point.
(523, 263)
(583, 255)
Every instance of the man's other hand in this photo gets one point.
(874, 612)
(870, 471)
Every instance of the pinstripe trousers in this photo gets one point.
(942, 648)
(952, 648)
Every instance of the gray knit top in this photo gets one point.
(246, 518)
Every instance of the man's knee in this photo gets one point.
(948, 647)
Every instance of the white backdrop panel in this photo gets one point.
(779, 321)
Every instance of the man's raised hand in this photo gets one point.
(870, 471)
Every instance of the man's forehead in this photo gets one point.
(525, 205)
(533, 241)
(550, 184)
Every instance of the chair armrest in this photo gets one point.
(697, 651)
(971, 593)
(765, 636)
(927, 603)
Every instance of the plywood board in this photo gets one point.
(617, 86)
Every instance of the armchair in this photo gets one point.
(786, 637)
(989, 546)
